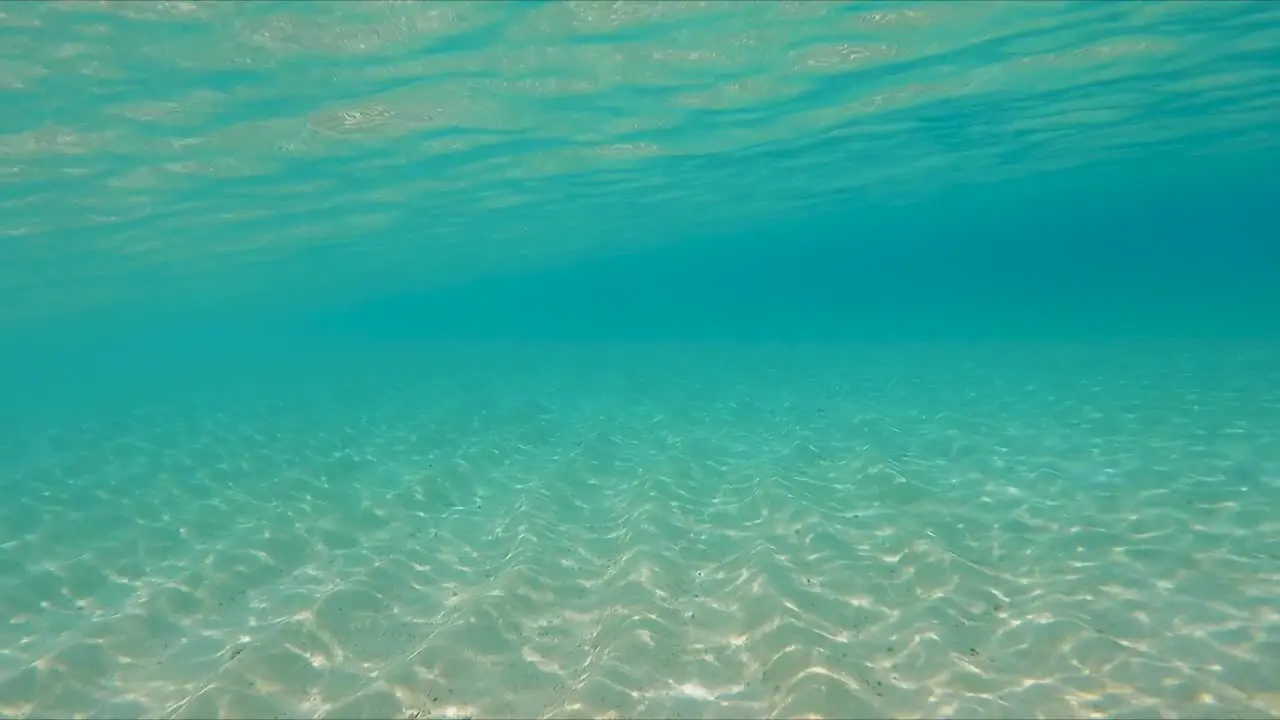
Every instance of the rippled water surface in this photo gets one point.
(184, 149)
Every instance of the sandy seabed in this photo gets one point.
(676, 531)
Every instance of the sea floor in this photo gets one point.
(661, 530)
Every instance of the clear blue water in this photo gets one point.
(652, 358)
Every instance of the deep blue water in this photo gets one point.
(1166, 248)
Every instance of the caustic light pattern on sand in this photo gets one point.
(686, 532)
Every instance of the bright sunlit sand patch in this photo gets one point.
(639, 540)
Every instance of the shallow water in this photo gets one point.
(639, 360)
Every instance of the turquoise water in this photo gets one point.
(639, 359)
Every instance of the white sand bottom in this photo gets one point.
(661, 531)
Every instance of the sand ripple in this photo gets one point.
(686, 532)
